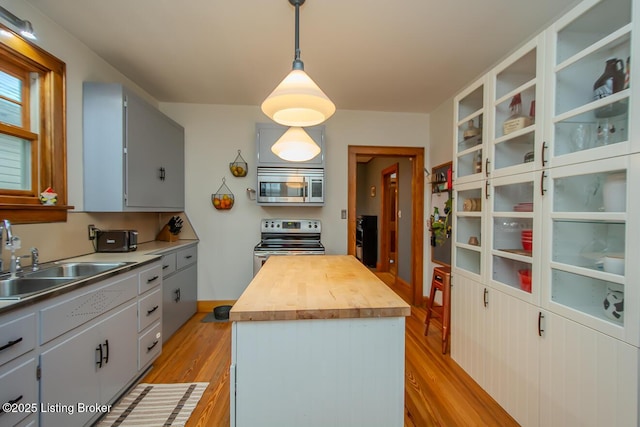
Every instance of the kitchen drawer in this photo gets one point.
(69, 313)
(168, 264)
(149, 345)
(149, 309)
(17, 337)
(187, 256)
(19, 385)
(150, 278)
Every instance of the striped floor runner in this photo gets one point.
(152, 405)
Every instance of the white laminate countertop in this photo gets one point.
(146, 252)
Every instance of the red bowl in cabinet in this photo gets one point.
(525, 280)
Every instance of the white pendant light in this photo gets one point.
(295, 145)
(297, 100)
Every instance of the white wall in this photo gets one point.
(215, 133)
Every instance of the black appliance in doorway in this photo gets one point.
(367, 239)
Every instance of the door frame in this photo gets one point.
(385, 250)
(416, 155)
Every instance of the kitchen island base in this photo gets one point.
(318, 372)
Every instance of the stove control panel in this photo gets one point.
(290, 226)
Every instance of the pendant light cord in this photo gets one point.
(297, 62)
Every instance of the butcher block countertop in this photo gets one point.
(316, 287)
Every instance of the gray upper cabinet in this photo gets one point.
(268, 133)
(133, 154)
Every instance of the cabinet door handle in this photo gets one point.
(485, 297)
(151, 279)
(542, 189)
(106, 358)
(544, 147)
(152, 310)
(540, 317)
(10, 402)
(188, 256)
(164, 267)
(486, 167)
(99, 350)
(162, 174)
(10, 344)
(177, 292)
(149, 348)
(486, 189)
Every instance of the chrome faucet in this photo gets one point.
(12, 244)
(1, 245)
(35, 259)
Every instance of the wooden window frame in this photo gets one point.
(49, 152)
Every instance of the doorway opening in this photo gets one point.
(389, 221)
(409, 287)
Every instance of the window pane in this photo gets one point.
(11, 104)
(15, 163)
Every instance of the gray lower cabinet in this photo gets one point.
(89, 367)
(180, 288)
(73, 352)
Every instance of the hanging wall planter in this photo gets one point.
(239, 166)
(223, 198)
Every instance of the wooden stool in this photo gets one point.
(442, 282)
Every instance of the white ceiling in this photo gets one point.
(379, 55)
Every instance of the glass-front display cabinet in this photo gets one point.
(515, 132)
(467, 228)
(590, 64)
(515, 230)
(469, 131)
(589, 245)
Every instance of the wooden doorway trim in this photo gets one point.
(385, 226)
(416, 154)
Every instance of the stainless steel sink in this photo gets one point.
(51, 276)
(22, 287)
(75, 269)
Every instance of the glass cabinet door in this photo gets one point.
(469, 133)
(515, 132)
(589, 58)
(587, 240)
(468, 237)
(515, 230)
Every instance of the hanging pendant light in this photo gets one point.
(297, 100)
(295, 145)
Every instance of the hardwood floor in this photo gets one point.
(437, 391)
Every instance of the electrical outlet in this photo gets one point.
(92, 231)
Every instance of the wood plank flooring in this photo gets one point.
(437, 391)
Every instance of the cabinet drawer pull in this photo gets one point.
(99, 350)
(188, 256)
(11, 402)
(151, 279)
(149, 348)
(152, 310)
(10, 344)
(164, 267)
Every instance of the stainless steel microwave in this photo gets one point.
(277, 186)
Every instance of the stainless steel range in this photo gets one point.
(287, 237)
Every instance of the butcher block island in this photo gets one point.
(317, 340)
